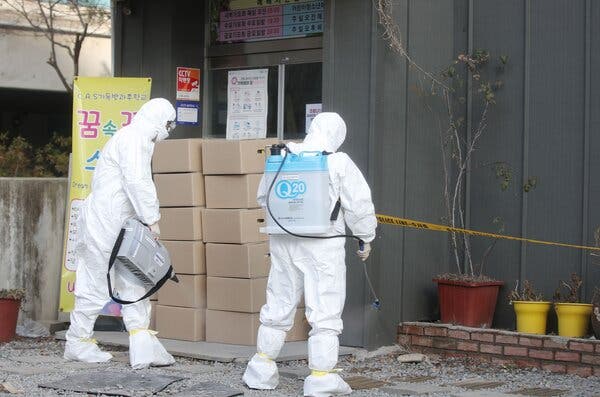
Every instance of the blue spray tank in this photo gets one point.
(299, 198)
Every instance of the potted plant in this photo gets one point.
(467, 296)
(573, 316)
(10, 302)
(530, 308)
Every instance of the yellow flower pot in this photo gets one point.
(531, 316)
(573, 318)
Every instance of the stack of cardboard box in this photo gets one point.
(237, 259)
(177, 167)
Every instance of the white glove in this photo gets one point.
(364, 254)
(155, 229)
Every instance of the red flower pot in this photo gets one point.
(9, 311)
(468, 303)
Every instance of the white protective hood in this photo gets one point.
(152, 118)
(327, 132)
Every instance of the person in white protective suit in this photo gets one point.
(317, 268)
(122, 188)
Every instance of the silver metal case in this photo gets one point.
(144, 256)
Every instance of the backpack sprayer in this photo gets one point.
(143, 257)
(299, 214)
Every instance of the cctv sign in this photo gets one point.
(188, 84)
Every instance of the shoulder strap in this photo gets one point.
(111, 262)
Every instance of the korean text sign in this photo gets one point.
(188, 84)
(101, 106)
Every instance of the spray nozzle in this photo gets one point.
(376, 304)
(361, 245)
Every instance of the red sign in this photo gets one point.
(188, 84)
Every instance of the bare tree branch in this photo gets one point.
(43, 15)
(391, 33)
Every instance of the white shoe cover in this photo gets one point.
(261, 373)
(325, 386)
(145, 350)
(85, 351)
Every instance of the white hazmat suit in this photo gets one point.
(317, 268)
(122, 188)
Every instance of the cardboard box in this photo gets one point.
(236, 294)
(189, 292)
(180, 323)
(177, 155)
(181, 223)
(221, 156)
(187, 257)
(239, 226)
(238, 260)
(180, 190)
(242, 328)
(152, 315)
(232, 191)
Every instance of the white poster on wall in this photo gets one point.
(312, 109)
(247, 104)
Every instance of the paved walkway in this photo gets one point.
(36, 368)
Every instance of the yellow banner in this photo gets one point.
(101, 106)
(243, 4)
(392, 220)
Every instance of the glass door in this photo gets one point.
(302, 93)
(294, 81)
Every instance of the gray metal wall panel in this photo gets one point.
(131, 36)
(386, 266)
(592, 278)
(502, 142)
(155, 39)
(425, 254)
(556, 127)
(346, 91)
(157, 50)
(187, 50)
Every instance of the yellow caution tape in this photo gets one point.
(392, 220)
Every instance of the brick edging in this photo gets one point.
(547, 352)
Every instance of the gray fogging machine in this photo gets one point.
(143, 256)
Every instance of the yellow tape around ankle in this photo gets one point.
(89, 340)
(263, 355)
(314, 372)
(138, 330)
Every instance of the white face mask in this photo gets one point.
(164, 134)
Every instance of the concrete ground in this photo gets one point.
(27, 363)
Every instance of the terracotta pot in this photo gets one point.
(467, 303)
(9, 311)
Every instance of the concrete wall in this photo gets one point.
(32, 213)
